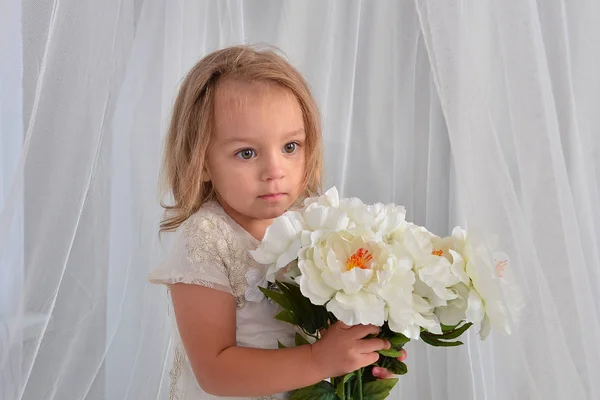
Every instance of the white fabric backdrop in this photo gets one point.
(11, 250)
(478, 112)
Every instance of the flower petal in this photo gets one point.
(283, 233)
(312, 285)
(458, 266)
(263, 256)
(331, 197)
(290, 254)
(360, 308)
(354, 280)
(459, 234)
(451, 314)
(319, 217)
(475, 310)
(485, 329)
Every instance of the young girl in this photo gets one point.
(244, 145)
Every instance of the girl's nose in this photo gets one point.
(273, 167)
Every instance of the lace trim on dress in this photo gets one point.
(212, 238)
(175, 373)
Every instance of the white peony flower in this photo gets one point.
(451, 248)
(330, 213)
(456, 310)
(325, 218)
(331, 198)
(407, 312)
(346, 273)
(424, 315)
(281, 243)
(387, 219)
(484, 300)
(435, 276)
(323, 215)
(372, 221)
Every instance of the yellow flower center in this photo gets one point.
(438, 253)
(361, 258)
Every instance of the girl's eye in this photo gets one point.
(246, 154)
(290, 147)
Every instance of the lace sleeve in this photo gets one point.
(196, 257)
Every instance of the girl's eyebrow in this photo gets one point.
(288, 135)
(297, 132)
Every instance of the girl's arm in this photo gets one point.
(207, 325)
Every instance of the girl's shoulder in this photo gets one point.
(210, 250)
(200, 249)
(212, 222)
(209, 221)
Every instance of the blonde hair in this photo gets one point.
(191, 128)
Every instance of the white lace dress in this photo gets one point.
(211, 249)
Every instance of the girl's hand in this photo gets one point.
(344, 349)
(382, 373)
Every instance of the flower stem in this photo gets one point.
(348, 390)
(359, 375)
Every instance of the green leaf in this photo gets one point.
(398, 340)
(310, 317)
(320, 391)
(331, 317)
(277, 297)
(341, 385)
(300, 340)
(317, 315)
(394, 365)
(390, 353)
(438, 343)
(448, 328)
(297, 306)
(281, 345)
(378, 390)
(287, 316)
(455, 333)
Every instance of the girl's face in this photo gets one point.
(256, 161)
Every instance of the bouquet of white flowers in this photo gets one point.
(341, 259)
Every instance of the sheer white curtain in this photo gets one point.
(11, 255)
(519, 88)
(465, 112)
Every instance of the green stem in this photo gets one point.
(347, 390)
(335, 382)
(359, 376)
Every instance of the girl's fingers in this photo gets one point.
(372, 345)
(403, 356)
(382, 373)
(362, 331)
